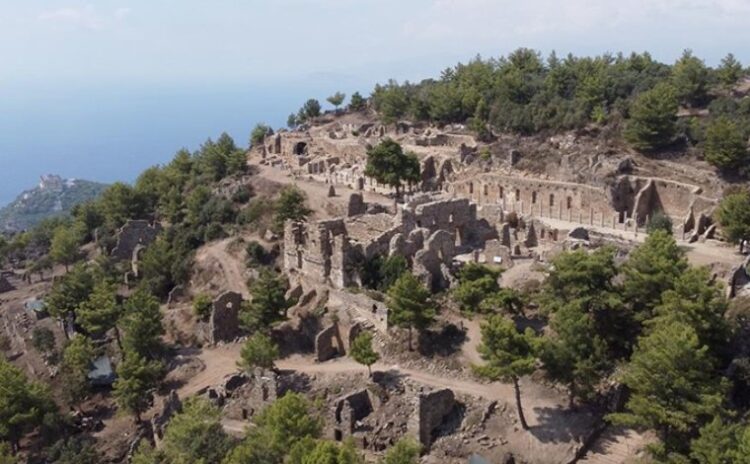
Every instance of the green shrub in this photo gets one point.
(202, 305)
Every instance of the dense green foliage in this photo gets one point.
(202, 304)
(659, 221)
(337, 99)
(672, 382)
(653, 119)
(23, 404)
(388, 164)
(32, 207)
(405, 451)
(363, 352)
(379, 274)
(410, 305)
(194, 436)
(734, 216)
(476, 283)
(525, 94)
(279, 428)
(259, 133)
(77, 359)
(508, 355)
(290, 205)
(269, 303)
(137, 379)
(726, 144)
(258, 351)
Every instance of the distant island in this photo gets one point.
(53, 196)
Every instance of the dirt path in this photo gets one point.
(219, 361)
(317, 192)
(617, 445)
(698, 253)
(222, 361)
(232, 268)
(555, 431)
(473, 337)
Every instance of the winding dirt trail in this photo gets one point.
(232, 268)
(222, 361)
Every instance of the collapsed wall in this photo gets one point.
(627, 197)
(429, 230)
(133, 237)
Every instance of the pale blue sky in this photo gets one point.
(101, 89)
(173, 41)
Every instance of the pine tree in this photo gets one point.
(361, 351)
(101, 311)
(268, 304)
(508, 355)
(70, 291)
(729, 71)
(651, 269)
(137, 379)
(357, 102)
(142, 324)
(336, 99)
(388, 164)
(259, 351)
(699, 302)
(734, 216)
(290, 205)
(405, 451)
(673, 386)
(410, 305)
(23, 404)
(575, 353)
(690, 77)
(195, 435)
(726, 145)
(77, 359)
(653, 119)
(64, 247)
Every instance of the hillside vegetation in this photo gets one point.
(45, 201)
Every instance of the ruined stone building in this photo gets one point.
(133, 237)
(585, 184)
(429, 231)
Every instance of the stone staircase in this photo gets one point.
(617, 445)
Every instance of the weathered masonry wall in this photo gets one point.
(629, 197)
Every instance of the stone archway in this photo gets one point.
(300, 148)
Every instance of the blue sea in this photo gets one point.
(112, 131)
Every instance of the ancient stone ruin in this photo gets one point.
(430, 410)
(351, 409)
(428, 231)
(224, 322)
(5, 285)
(244, 395)
(133, 237)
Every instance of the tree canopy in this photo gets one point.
(653, 119)
(508, 355)
(410, 305)
(388, 164)
(733, 214)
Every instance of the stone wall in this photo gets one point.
(628, 197)
(430, 409)
(328, 344)
(5, 285)
(170, 406)
(350, 409)
(247, 394)
(224, 322)
(373, 311)
(133, 234)
(429, 231)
